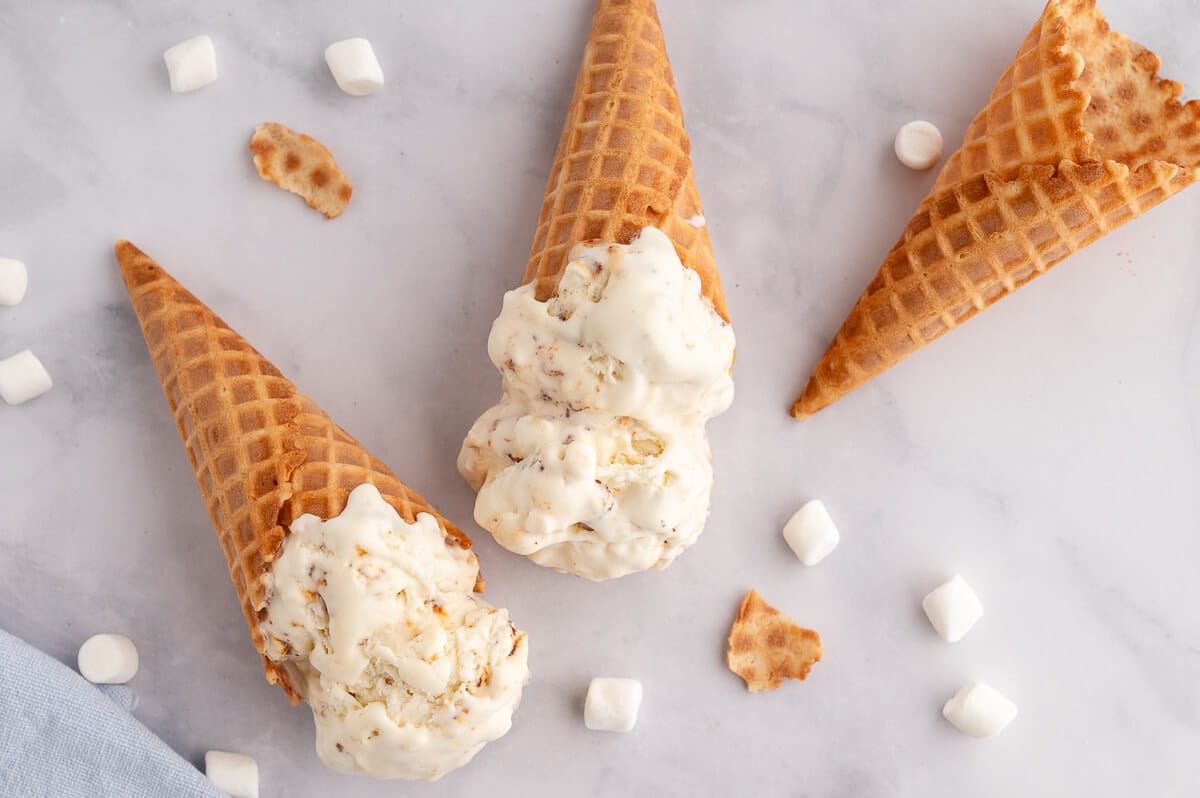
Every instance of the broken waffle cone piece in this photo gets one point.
(263, 453)
(302, 165)
(766, 646)
(624, 159)
(1080, 136)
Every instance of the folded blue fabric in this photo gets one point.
(62, 737)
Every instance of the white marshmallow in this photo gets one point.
(108, 659)
(191, 64)
(14, 279)
(354, 66)
(612, 704)
(23, 377)
(811, 533)
(919, 144)
(980, 710)
(236, 774)
(953, 608)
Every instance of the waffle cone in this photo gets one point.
(262, 452)
(1080, 136)
(623, 162)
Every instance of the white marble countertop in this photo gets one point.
(1049, 450)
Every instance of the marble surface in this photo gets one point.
(1049, 450)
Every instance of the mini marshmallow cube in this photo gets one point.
(810, 533)
(953, 609)
(14, 279)
(191, 64)
(919, 145)
(236, 774)
(612, 704)
(108, 659)
(354, 66)
(23, 377)
(980, 710)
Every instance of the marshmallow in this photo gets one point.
(953, 609)
(919, 144)
(980, 710)
(192, 64)
(23, 377)
(236, 774)
(14, 279)
(612, 704)
(810, 533)
(354, 66)
(108, 659)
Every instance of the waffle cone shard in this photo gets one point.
(1080, 135)
(263, 453)
(766, 647)
(623, 161)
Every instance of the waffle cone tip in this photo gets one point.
(127, 253)
(623, 161)
(800, 408)
(136, 266)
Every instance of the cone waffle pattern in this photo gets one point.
(262, 452)
(623, 162)
(1079, 136)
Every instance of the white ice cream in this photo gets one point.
(595, 461)
(407, 671)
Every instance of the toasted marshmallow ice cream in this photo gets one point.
(407, 671)
(595, 461)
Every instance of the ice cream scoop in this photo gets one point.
(407, 671)
(595, 461)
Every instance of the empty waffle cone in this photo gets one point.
(262, 452)
(623, 162)
(1080, 136)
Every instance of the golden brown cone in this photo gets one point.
(262, 452)
(1080, 135)
(623, 161)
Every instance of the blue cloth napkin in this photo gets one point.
(62, 737)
